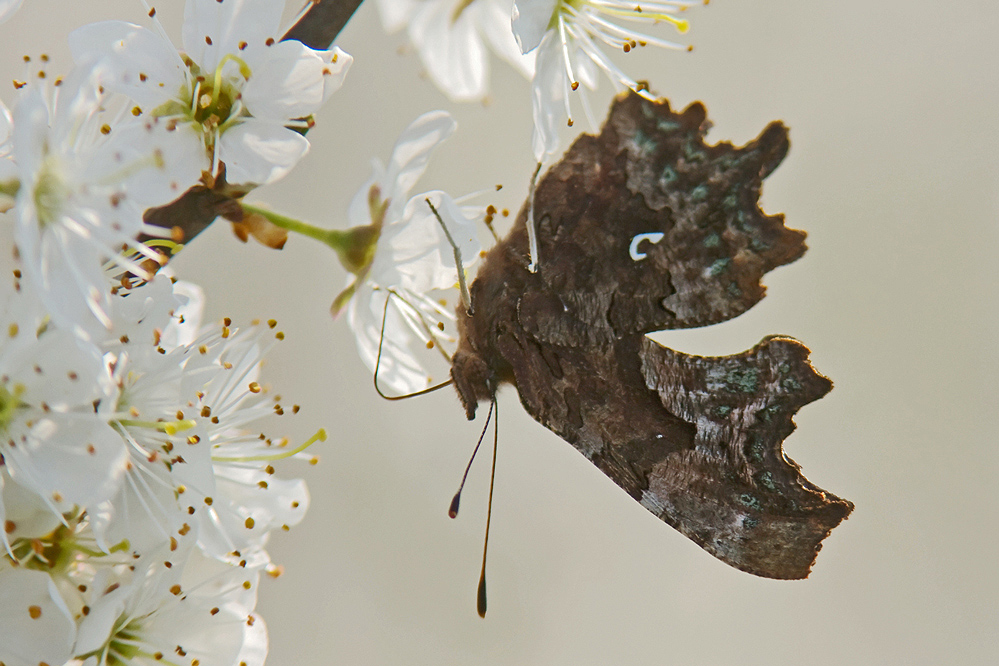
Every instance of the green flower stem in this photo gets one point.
(336, 239)
(355, 247)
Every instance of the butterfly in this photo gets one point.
(644, 228)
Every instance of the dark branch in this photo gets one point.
(323, 22)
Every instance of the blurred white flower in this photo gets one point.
(80, 185)
(450, 37)
(242, 96)
(8, 7)
(402, 250)
(568, 37)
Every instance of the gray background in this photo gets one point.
(893, 107)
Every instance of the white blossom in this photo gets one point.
(54, 439)
(80, 182)
(176, 607)
(184, 414)
(235, 91)
(451, 37)
(408, 256)
(568, 37)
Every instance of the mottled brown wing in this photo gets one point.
(698, 441)
(735, 492)
(650, 172)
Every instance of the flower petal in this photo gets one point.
(548, 98)
(260, 152)
(396, 13)
(135, 61)
(8, 7)
(451, 50)
(67, 457)
(214, 29)
(415, 253)
(412, 152)
(493, 20)
(530, 21)
(337, 64)
(36, 624)
(288, 84)
(399, 368)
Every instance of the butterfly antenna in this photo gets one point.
(532, 234)
(481, 594)
(453, 509)
(378, 362)
(466, 300)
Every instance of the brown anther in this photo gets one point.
(249, 523)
